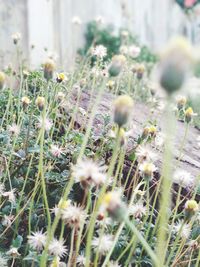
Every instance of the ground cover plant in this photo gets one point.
(83, 187)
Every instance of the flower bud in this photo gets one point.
(145, 132)
(123, 106)
(189, 114)
(60, 77)
(2, 79)
(16, 37)
(152, 131)
(140, 69)
(118, 61)
(49, 68)
(40, 101)
(175, 62)
(181, 102)
(191, 207)
(110, 84)
(25, 101)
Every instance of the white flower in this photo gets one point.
(103, 243)
(13, 252)
(57, 248)
(37, 240)
(47, 124)
(81, 260)
(3, 261)
(73, 215)
(56, 151)
(145, 153)
(88, 173)
(14, 129)
(7, 220)
(134, 51)
(76, 20)
(147, 169)
(99, 51)
(138, 210)
(183, 178)
(182, 228)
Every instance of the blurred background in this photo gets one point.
(57, 27)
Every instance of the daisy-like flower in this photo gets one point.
(25, 101)
(14, 129)
(81, 260)
(103, 243)
(56, 151)
(37, 240)
(134, 51)
(60, 77)
(60, 96)
(57, 248)
(182, 228)
(181, 102)
(145, 153)
(147, 169)
(137, 210)
(13, 252)
(47, 124)
(88, 173)
(111, 202)
(73, 215)
(183, 178)
(189, 114)
(3, 261)
(99, 51)
(76, 20)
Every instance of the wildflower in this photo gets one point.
(2, 79)
(7, 220)
(181, 102)
(110, 84)
(60, 77)
(14, 129)
(121, 133)
(191, 207)
(13, 252)
(60, 96)
(189, 3)
(137, 210)
(103, 243)
(49, 67)
(40, 102)
(76, 20)
(147, 169)
(57, 248)
(3, 261)
(123, 106)
(112, 202)
(25, 101)
(174, 64)
(16, 37)
(145, 132)
(182, 228)
(56, 151)
(81, 260)
(25, 74)
(144, 153)
(37, 240)
(183, 178)
(134, 51)
(99, 51)
(73, 216)
(117, 63)
(46, 123)
(88, 173)
(152, 130)
(189, 114)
